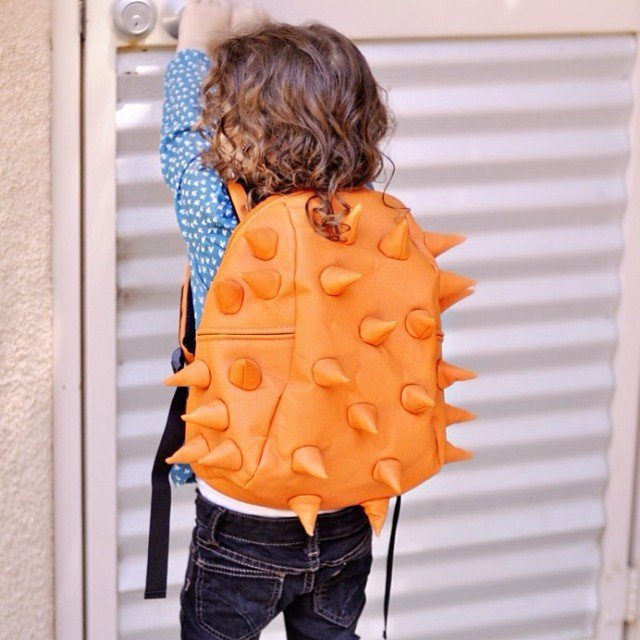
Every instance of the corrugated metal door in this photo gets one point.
(521, 144)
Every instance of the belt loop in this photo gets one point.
(217, 513)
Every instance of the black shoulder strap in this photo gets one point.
(392, 544)
(173, 435)
(172, 439)
(158, 549)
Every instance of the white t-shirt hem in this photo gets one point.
(228, 502)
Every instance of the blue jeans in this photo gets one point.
(243, 570)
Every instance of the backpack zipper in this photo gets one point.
(253, 333)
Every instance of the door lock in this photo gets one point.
(134, 18)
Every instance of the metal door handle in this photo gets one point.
(170, 16)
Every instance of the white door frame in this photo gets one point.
(99, 315)
(633, 601)
(631, 457)
(96, 447)
(619, 499)
(66, 118)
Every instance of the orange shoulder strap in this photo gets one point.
(186, 325)
(238, 198)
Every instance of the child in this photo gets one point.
(277, 108)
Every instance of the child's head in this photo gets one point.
(294, 107)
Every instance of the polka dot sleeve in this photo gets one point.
(179, 145)
(204, 211)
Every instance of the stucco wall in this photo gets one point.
(26, 531)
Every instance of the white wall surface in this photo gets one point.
(26, 492)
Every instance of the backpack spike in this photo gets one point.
(265, 283)
(309, 460)
(396, 243)
(375, 331)
(448, 374)
(190, 451)
(213, 415)
(415, 398)
(376, 511)
(334, 279)
(229, 295)
(453, 414)
(449, 301)
(388, 471)
(420, 324)
(327, 372)
(363, 416)
(352, 218)
(226, 455)
(452, 283)
(263, 242)
(455, 454)
(195, 374)
(245, 373)
(306, 508)
(438, 243)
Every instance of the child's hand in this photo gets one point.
(246, 17)
(202, 22)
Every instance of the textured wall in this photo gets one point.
(26, 531)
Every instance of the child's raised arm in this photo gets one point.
(202, 23)
(203, 208)
(179, 145)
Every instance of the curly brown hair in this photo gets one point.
(288, 107)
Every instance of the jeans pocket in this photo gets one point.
(341, 598)
(234, 602)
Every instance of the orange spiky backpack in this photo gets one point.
(317, 379)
